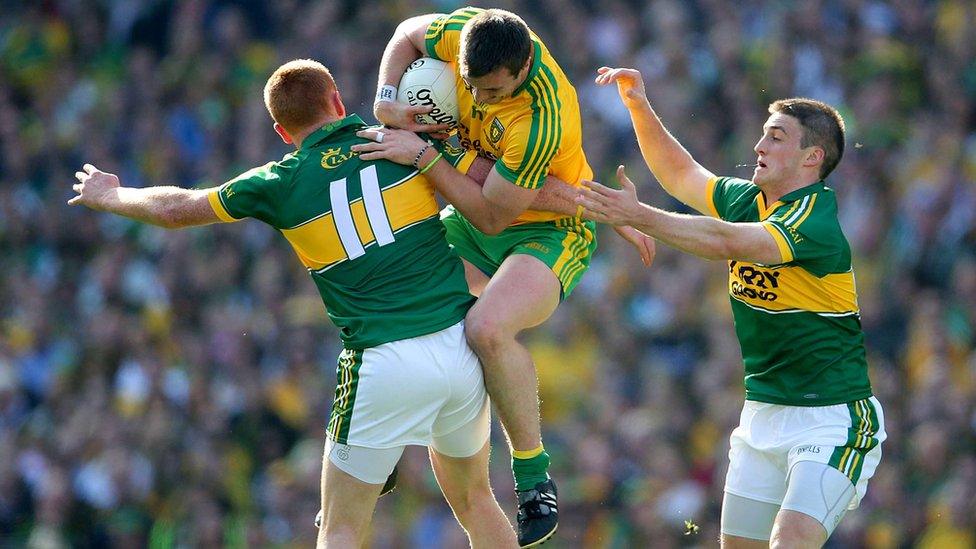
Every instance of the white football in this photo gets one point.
(428, 81)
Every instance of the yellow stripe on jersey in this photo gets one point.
(765, 211)
(788, 213)
(791, 289)
(796, 224)
(796, 215)
(415, 199)
(317, 242)
(785, 252)
(442, 44)
(460, 17)
(365, 232)
(218, 207)
(546, 129)
(710, 195)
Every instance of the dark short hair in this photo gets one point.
(297, 94)
(494, 38)
(822, 127)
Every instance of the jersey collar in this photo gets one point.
(765, 211)
(331, 129)
(803, 191)
(533, 70)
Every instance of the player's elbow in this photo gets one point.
(490, 226)
(723, 247)
(171, 218)
(165, 219)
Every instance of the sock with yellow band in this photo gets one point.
(530, 467)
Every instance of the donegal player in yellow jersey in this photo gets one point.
(518, 109)
(810, 433)
(368, 232)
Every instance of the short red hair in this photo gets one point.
(297, 94)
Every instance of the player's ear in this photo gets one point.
(528, 62)
(815, 156)
(283, 133)
(336, 101)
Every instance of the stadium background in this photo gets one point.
(171, 387)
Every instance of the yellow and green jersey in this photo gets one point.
(368, 232)
(535, 132)
(798, 321)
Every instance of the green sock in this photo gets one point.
(530, 471)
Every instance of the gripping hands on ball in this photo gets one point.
(400, 115)
(400, 146)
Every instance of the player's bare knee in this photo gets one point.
(484, 333)
(795, 530)
(472, 500)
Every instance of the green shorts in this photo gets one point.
(565, 245)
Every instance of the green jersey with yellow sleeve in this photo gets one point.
(534, 133)
(368, 233)
(797, 321)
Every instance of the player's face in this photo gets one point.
(778, 153)
(494, 86)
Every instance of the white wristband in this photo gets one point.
(386, 93)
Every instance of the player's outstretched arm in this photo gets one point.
(169, 207)
(560, 197)
(490, 207)
(679, 173)
(405, 46)
(698, 235)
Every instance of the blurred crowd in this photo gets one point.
(171, 388)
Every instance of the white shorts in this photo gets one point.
(426, 391)
(771, 439)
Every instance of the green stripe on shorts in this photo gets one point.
(849, 459)
(347, 381)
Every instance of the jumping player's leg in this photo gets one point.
(523, 293)
(476, 279)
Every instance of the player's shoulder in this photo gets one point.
(547, 85)
(451, 22)
(733, 188)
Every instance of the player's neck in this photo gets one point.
(299, 136)
(774, 191)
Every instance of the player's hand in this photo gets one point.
(95, 188)
(394, 114)
(630, 84)
(606, 205)
(645, 245)
(400, 146)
